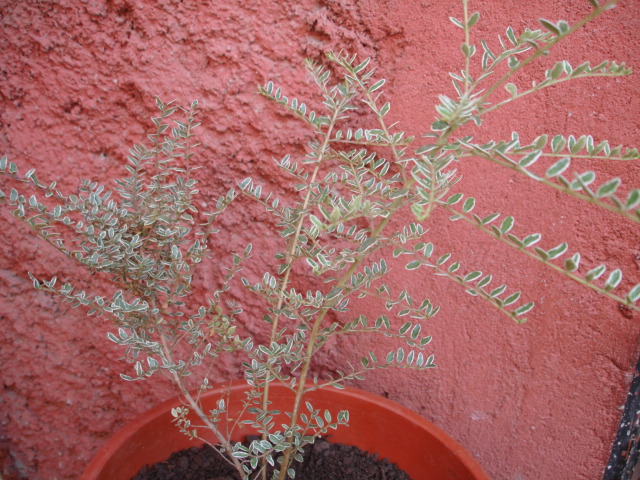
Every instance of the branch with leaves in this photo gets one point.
(366, 195)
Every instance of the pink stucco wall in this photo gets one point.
(537, 401)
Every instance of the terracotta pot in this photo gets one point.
(376, 424)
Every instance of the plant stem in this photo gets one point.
(467, 58)
(193, 403)
(285, 281)
(397, 203)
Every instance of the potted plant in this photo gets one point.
(376, 425)
(365, 193)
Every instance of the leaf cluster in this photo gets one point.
(365, 194)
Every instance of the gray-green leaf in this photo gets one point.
(558, 167)
(608, 188)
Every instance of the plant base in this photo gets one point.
(376, 425)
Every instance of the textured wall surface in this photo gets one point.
(77, 82)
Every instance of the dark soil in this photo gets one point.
(322, 461)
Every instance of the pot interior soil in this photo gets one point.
(322, 460)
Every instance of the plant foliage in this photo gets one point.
(365, 198)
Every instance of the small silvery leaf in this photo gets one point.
(580, 69)
(415, 331)
(541, 253)
(634, 294)
(362, 65)
(428, 250)
(456, 22)
(614, 280)
(523, 309)
(473, 19)
(112, 337)
(608, 188)
(485, 281)
(489, 218)
(376, 85)
(410, 357)
(439, 125)
(512, 89)
(559, 167)
(595, 273)
(531, 240)
(558, 143)
(507, 225)
(633, 200)
(564, 27)
(454, 267)
(498, 291)
(245, 184)
(470, 277)
(582, 180)
(443, 259)
(469, 204)
(552, 27)
(468, 50)
(530, 159)
(579, 144)
(572, 264)
(557, 251)
(413, 265)
(455, 198)
(513, 298)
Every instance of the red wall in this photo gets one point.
(538, 401)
